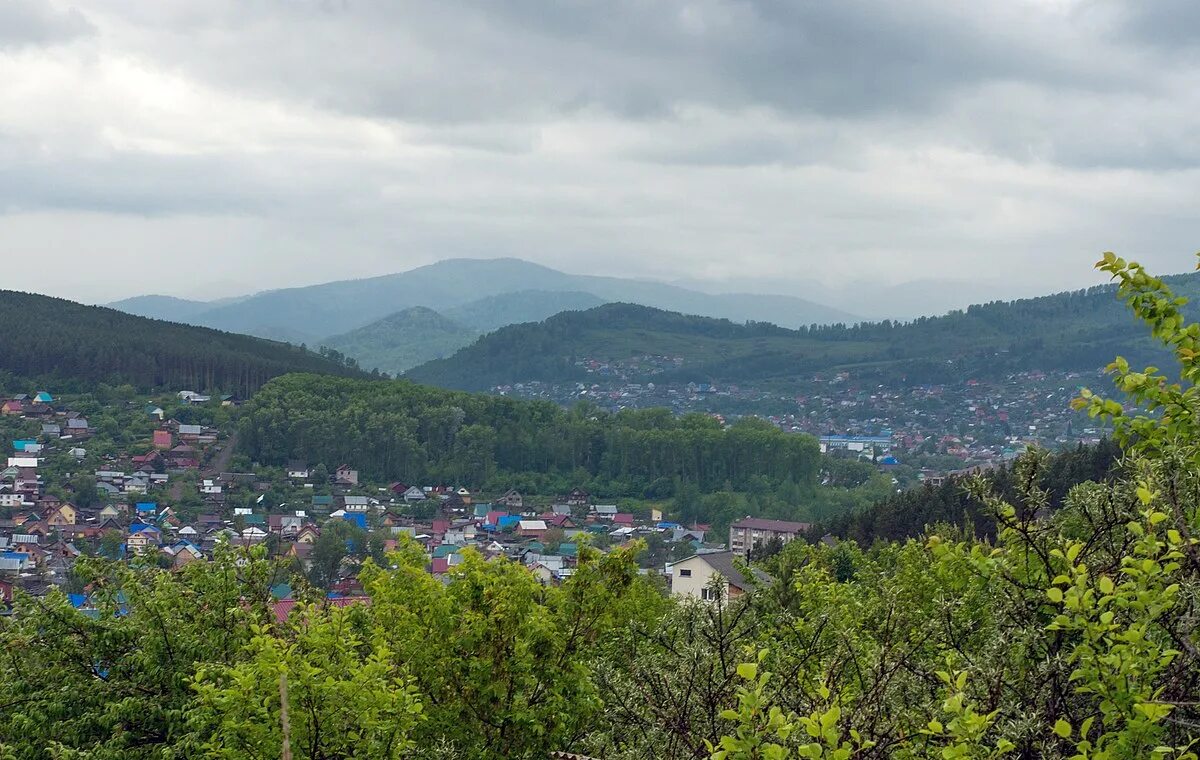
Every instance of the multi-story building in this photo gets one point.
(751, 533)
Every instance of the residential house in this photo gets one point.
(141, 540)
(298, 470)
(531, 528)
(604, 511)
(357, 503)
(344, 476)
(63, 514)
(414, 494)
(163, 439)
(512, 499)
(578, 498)
(712, 576)
(308, 534)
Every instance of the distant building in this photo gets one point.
(751, 533)
(856, 443)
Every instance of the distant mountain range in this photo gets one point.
(67, 344)
(1081, 330)
(485, 293)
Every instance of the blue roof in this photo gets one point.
(143, 527)
(77, 600)
(147, 506)
(507, 520)
(12, 555)
(669, 525)
(21, 444)
(358, 518)
(43, 397)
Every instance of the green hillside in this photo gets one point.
(1076, 330)
(72, 344)
(493, 312)
(403, 340)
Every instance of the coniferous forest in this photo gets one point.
(72, 346)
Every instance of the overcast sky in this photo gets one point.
(217, 147)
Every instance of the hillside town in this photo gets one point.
(973, 421)
(170, 495)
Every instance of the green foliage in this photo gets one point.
(70, 346)
(403, 340)
(912, 512)
(345, 699)
(401, 431)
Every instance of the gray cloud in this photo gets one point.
(767, 140)
(34, 22)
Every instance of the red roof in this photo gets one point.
(440, 566)
(283, 607)
(623, 518)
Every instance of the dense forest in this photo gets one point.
(417, 434)
(912, 512)
(402, 340)
(1077, 330)
(71, 346)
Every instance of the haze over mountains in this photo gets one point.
(312, 313)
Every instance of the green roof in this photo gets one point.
(568, 549)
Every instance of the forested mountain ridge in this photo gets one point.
(305, 314)
(76, 345)
(1075, 330)
(403, 340)
(493, 312)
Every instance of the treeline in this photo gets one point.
(912, 512)
(418, 434)
(1080, 330)
(70, 346)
